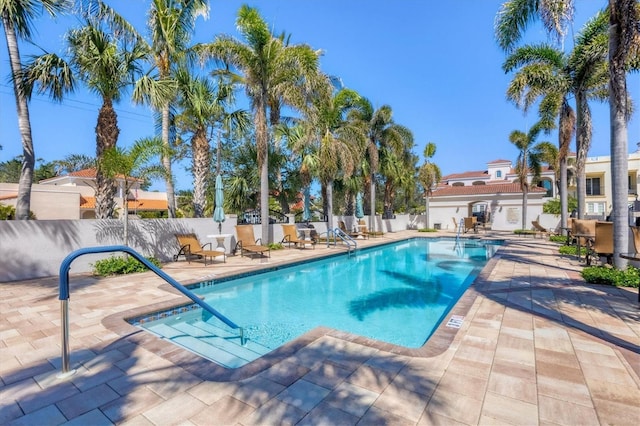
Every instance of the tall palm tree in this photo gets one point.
(624, 44)
(171, 24)
(337, 141)
(270, 69)
(528, 162)
(395, 161)
(203, 109)
(382, 133)
(429, 175)
(107, 64)
(17, 22)
(546, 72)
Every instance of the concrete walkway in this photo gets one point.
(537, 346)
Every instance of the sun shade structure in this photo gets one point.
(218, 211)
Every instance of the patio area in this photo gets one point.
(536, 346)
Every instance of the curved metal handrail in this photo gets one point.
(64, 293)
(346, 238)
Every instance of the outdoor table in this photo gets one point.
(307, 233)
(359, 230)
(220, 240)
(632, 256)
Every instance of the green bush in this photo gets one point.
(427, 230)
(558, 238)
(524, 232)
(276, 246)
(607, 275)
(572, 250)
(118, 265)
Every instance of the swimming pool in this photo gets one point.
(396, 293)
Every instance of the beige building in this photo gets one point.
(73, 197)
(493, 194)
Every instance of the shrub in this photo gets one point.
(524, 232)
(427, 230)
(118, 265)
(558, 239)
(572, 250)
(629, 277)
(276, 246)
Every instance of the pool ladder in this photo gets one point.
(346, 239)
(64, 295)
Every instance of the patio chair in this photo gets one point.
(602, 243)
(470, 224)
(583, 231)
(541, 229)
(363, 228)
(248, 243)
(343, 228)
(290, 232)
(191, 248)
(635, 231)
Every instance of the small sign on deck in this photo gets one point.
(455, 321)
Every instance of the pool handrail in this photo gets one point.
(346, 238)
(64, 293)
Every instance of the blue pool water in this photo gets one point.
(396, 293)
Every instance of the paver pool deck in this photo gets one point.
(537, 346)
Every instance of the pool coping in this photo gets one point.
(206, 369)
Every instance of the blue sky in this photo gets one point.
(435, 63)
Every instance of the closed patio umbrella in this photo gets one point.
(306, 212)
(359, 208)
(218, 211)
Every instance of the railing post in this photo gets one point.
(64, 314)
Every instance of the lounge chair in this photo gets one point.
(583, 231)
(291, 237)
(366, 232)
(191, 248)
(602, 243)
(343, 228)
(541, 230)
(248, 243)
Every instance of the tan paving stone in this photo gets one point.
(509, 410)
(274, 412)
(563, 412)
(402, 402)
(257, 390)
(352, 399)
(378, 416)
(328, 415)
(458, 407)
(174, 410)
(226, 411)
(210, 392)
(470, 386)
(303, 395)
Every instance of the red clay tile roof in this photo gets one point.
(503, 188)
(499, 161)
(467, 175)
(90, 203)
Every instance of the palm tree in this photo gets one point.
(382, 133)
(171, 25)
(17, 20)
(204, 107)
(270, 69)
(335, 139)
(547, 73)
(107, 64)
(528, 162)
(395, 162)
(133, 165)
(624, 42)
(429, 175)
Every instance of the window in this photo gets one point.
(593, 186)
(499, 174)
(546, 184)
(595, 208)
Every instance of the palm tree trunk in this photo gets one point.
(564, 202)
(583, 143)
(23, 203)
(620, 10)
(166, 162)
(525, 193)
(201, 166)
(262, 147)
(372, 214)
(330, 204)
(106, 138)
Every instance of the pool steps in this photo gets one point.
(211, 342)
